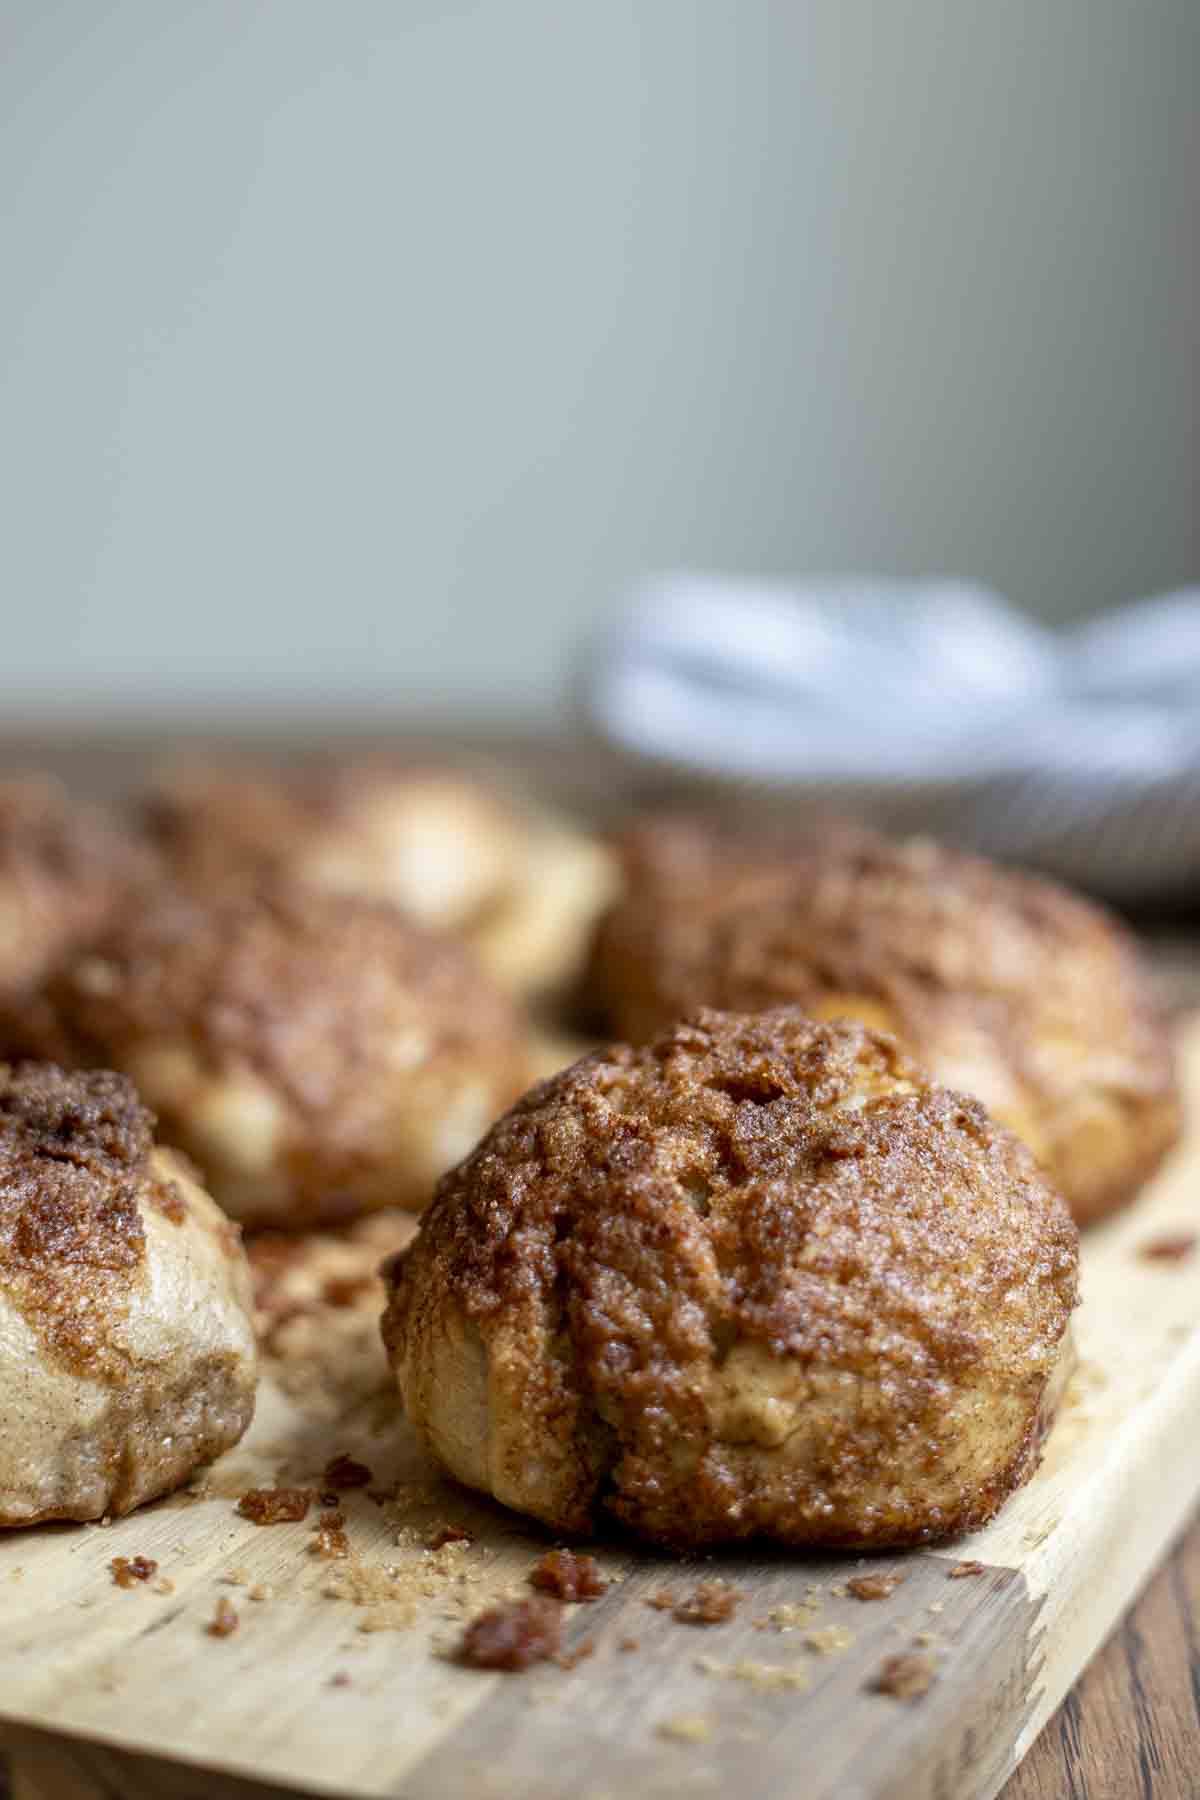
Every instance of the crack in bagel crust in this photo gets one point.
(758, 1278)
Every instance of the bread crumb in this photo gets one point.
(662, 1600)
(687, 1728)
(260, 1591)
(764, 1677)
(829, 1640)
(961, 1570)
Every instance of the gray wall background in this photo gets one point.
(357, 353)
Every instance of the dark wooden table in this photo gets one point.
(1131, 1725)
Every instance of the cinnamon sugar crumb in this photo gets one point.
(713, 1603)
(274, 1506)
(224, 1621)
(1173, 1246)
(568, 1577)
(344, 1472)
(513, 1635)
(330, 1539)
(961, 1570)
(873, 1587)
(450, 1534)
(662, 1600)
(128, 1571)
(629, 1643)
(906, 1676)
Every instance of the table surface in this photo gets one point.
(1131, 1725)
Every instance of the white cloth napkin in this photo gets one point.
(927, 706)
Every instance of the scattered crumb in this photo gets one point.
(341, 1679)
(766, 1678)
(164, 1585)
(629, 1643)
(937, 1606)
(1173, 1246)
(571, 1659)
(687, 1728)
(829, 1640)
(274, 1506)
(662, 1600)
(344, 1472)
(873, 1587)
(449, 1534)
(567, 1576)
(905, 1677)
(330, 1539)
(128, 1571)
(513, 1635)
(713, 1603)
(224, 1621)
(962, 1570)
(260, 1591)
(789, 1617)
(236, 1577)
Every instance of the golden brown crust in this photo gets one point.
(74, 1157)
(1002, 983)
(759, 1278)
(329, 1028)
(63, 870)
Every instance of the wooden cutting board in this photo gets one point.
(105, 1692)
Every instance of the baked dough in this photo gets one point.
(63, 870)
(760, 1278)
(319, 1056)
(452, 851)
(1003, 984)
(126, 1348)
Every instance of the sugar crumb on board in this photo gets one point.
(687, 1728)
(764, 1677)
(1170, 1247)
(224, 1621)
(343, 1472)
(713, 1603)
(513, 1635)
(829, 1640)
(568, 1576)
(906, 1676)
(873, 1587)
(132, 1571)
(274, 1506)
(963, 1570)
